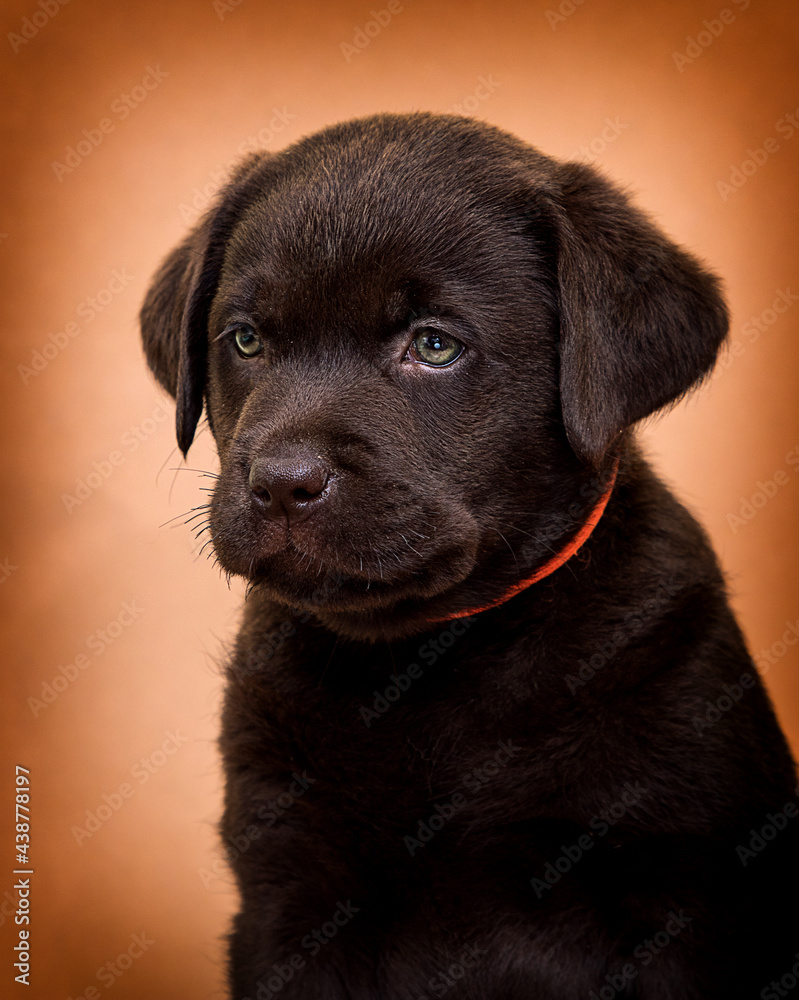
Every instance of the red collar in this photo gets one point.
(551, 564)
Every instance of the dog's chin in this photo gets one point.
(355, 598)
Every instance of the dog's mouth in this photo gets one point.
(337, 564)
(357, 581)
(337, 585)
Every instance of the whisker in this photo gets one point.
(409, 545)
(167, 459)
(204, 546)
(200, 472)
(185, 515)
(505, 540)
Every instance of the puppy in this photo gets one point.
(491, 730)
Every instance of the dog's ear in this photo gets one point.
(641, 320)
(174, 316)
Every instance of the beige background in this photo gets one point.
(103, 602)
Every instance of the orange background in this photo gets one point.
(223, 73)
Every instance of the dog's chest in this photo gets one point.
(392, 759)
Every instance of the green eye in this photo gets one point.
(432, 347)
(247, 341)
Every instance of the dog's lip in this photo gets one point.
(304, 562)
(296, 548)
(301, 578)
(341, 594)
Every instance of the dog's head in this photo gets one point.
(418, 342)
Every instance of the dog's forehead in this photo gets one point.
(316, 224)
(356, 219)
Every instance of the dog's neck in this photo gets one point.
(549, 567)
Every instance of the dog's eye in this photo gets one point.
(432, 347)
(247, 342)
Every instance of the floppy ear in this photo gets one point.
(641, 320)
(174, 316)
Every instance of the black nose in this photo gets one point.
(291, 485)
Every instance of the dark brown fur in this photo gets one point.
(414, 787)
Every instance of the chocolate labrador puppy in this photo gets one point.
(491, 729)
